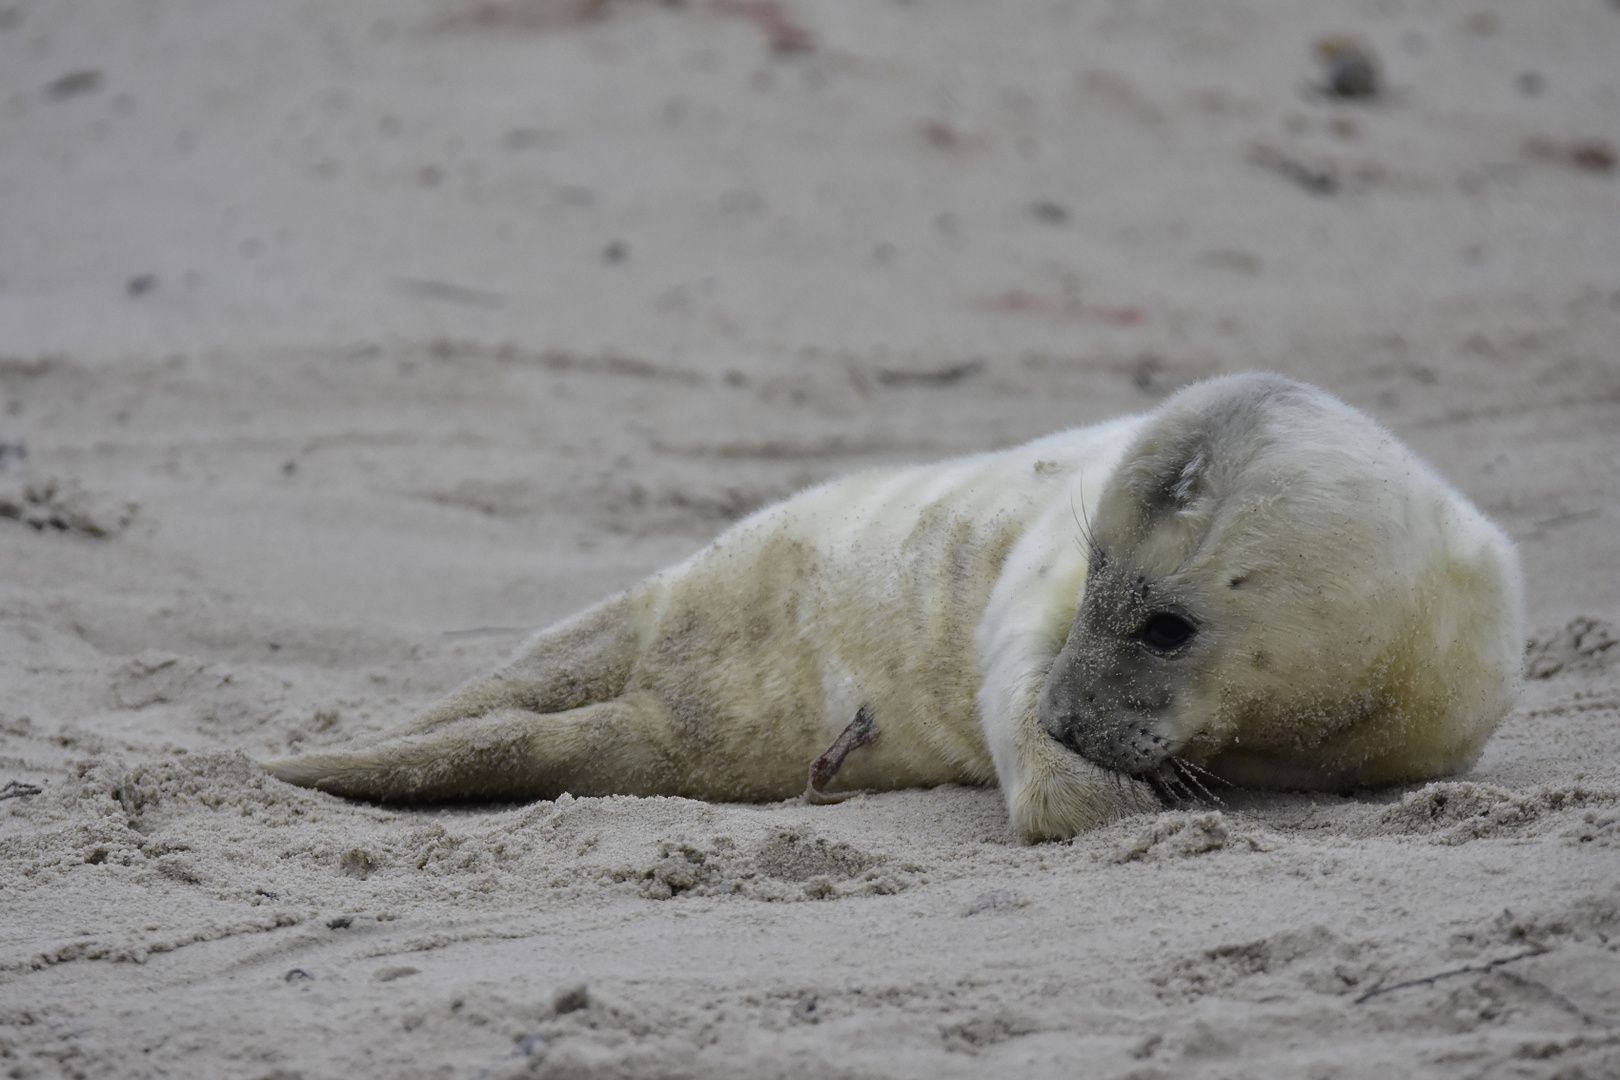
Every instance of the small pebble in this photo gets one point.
(1050, 212)
(571, 1000)
(1352, 71)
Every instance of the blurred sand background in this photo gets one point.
(342, 343)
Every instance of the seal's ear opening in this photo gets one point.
(1204, 437)
(1172, 478)
(1189, 478)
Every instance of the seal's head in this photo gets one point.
(1280, 593)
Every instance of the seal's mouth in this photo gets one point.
(1133, 746)
(1122, 741)
(1174, 780)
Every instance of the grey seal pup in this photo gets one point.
(1253, 583)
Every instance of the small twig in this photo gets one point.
(1318, 180)
(1430, 980)
(1568, 516)
(17, 790)
(942, 377)
(443, 290)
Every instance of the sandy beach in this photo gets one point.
(342, 345)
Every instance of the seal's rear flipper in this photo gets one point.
(859, 733)
(623, 746)
(580, 661)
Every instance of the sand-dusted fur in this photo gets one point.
(1269, 587)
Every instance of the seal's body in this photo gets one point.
(1270, 588)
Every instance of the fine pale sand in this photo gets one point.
(342, 343)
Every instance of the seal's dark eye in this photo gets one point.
(1165, 632)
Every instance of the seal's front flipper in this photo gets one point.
(859, 733)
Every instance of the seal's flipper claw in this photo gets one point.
(860, 732)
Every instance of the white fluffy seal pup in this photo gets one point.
(1268, 589)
